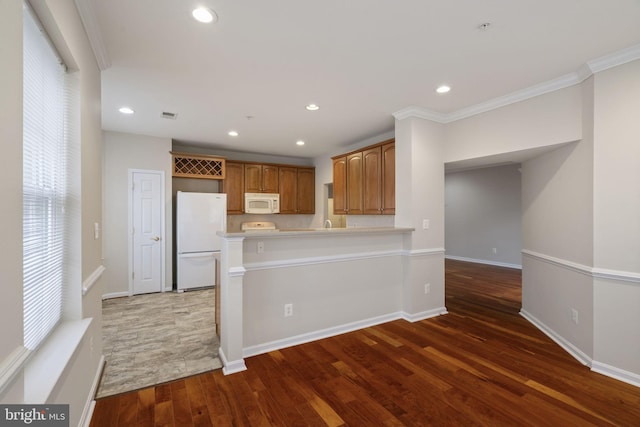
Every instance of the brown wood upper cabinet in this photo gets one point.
(388, 178)
(296, 186)
(233, 186)
(347, 184)
(372, 181)
(354, 184)
(340, 185)
(364, 181)
(260, 178)
(297, 190)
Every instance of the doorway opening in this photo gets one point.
(155, 336)
(336, 221)
(483, 229)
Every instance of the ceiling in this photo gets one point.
(361, 61)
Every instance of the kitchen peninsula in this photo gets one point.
(286, 287)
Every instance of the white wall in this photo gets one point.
(331, 280)
(482, 212)
(10, 186)
(62, 21)
(557, 224)
(557, 238)
(617, 217)
(419, 196)
(617, 168)
(549, 119)
(557, 203)
(122, 152)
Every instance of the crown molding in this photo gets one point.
(421, 113)
(520, 95)
(584, 72)
(91, 27)
(581, 74)
(614, 59)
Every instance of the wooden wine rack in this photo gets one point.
(198, 166)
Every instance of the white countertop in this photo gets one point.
(308, 232)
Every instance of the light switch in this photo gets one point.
(425, 224)
(96, 230)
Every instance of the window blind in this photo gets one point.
(44, 184)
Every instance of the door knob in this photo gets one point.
(155, 238)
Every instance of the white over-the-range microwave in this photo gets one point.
(261, 203)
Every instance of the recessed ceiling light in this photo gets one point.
(312, 107)
(484, 26)
(233, 133)
(300, 142)
(125, 110)
(204, 15)
(443, 89)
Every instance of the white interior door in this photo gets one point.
(147, 231)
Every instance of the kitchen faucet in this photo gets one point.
(327, 224)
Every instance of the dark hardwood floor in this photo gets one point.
(480, 365)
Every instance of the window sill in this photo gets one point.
(45, 368)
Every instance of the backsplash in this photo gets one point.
(370, 221)
(234, 222)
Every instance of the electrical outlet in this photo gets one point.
(427, 288)
(574, 315)
(425, 224)
(260, 247)
(495, 250)
(288, 310)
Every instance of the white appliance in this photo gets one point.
(199, 216)
(261, 203)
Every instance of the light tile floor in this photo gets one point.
(155, 338)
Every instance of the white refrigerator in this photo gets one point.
(199, 216)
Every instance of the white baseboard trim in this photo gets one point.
(424, 314)
(338, 330)
(231, 366)
(484, 261)
(115, 295)
(318, 335)
(574, 351)
(87, 413)
(616, 373)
